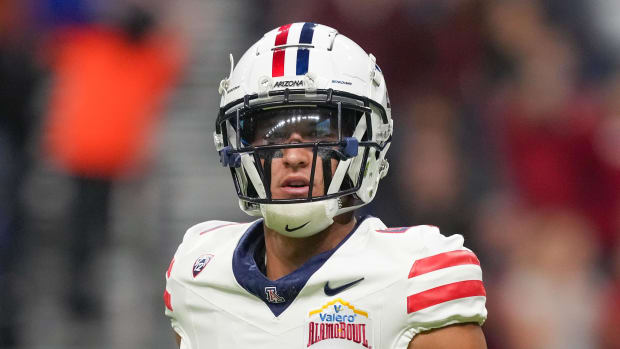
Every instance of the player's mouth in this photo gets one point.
(295, 187)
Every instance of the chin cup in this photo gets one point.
(301, 219)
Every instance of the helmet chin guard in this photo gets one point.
(301, 219)
(308, 78)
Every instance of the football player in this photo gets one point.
(304, 126)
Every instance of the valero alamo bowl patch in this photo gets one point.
(338, 324)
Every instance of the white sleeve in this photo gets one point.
(444, 285)
(174, 293)
(173, 298)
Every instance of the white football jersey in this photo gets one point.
(377, 289)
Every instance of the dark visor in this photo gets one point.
(305, 124)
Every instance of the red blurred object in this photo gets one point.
(104, 100)
(610, 319)
(552, 162)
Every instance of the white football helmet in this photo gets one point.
(304, 76)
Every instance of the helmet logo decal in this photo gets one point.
(303, 54)
(342, 82)
(289, 83)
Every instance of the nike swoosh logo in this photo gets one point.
(334, 291)
(297, 228)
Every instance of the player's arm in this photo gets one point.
(464, 336)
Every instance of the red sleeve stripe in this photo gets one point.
(170, 268)
(167, 300)
(217, 227)
(437, 295)
(442, 260)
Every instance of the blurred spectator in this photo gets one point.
(610, 316)
(501, 221)
(603, 15)
(431, 187)
(550, 295)
(108, 85)
(545, 126)
(607, 148)
(19, 79)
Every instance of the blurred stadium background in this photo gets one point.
(507, 116)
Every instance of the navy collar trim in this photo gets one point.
(277, 294)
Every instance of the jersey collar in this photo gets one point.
(277, 294)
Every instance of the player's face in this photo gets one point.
(290, 174)
(291, 167)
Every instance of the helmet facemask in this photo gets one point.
(329, 127)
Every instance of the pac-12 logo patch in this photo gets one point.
(338, 324)
(201, 263)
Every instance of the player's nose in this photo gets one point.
(296, 157)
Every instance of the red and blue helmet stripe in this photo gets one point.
(303, 53)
